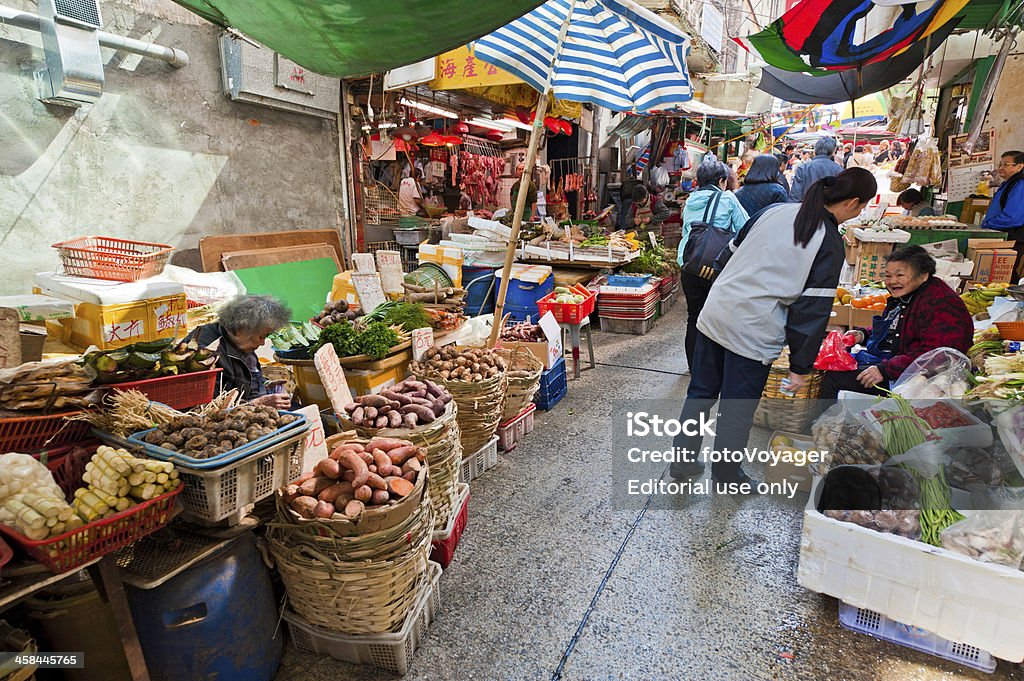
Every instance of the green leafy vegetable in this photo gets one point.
(342, 337)
(376, 341)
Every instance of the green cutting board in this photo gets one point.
(303, 286)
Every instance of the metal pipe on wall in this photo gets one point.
(172, 55)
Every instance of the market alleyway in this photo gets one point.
(550, 582)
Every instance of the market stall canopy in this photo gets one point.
(847, 86)
(616, 54)
(871, 107)
(820, 34)
(358, 37)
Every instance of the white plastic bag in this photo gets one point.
(989, 536)
(938, 373)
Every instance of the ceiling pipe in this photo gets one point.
(173, 56)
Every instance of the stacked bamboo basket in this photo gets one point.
(524, 371)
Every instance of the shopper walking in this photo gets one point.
(820, 166)
(776, 290)
(713, 204)
(761, 186)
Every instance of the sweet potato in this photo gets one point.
(410, 476)
(358, 414)
(351, 407)
(329, 468)
(304, 477)
(354, 462)
(290, 492)
(415, 385)
(381, 422)
(409, 420)
(304, 506)
(396, 397)
(364, 493)
(421, 401)
(348, 476)
(313, 486)
(370, 413)
(376, 482)
(437, 407)
(386, 409)
(324, 509)
(354, 508)
(386, 443)
(433, 389)
(394, 419)
(412, 464)
(372, 468)
(400, 487)
(381, 458)
(380, 497)
(338, 489)
(349, 447)
(367, 457)
(401, 455)
(374, 401)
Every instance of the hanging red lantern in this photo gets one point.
(524, 115)
(432, 140)
(565, 126)
(494, 135)
(552, 125)
(452, 140)
(405, 134)
(461, 128)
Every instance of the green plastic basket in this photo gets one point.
(428, 274)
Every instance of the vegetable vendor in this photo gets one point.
(923, 313)
(1006, 212)
(243, 326)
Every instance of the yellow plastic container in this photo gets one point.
(343, 289)
(376, 376)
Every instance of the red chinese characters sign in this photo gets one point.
(460, 69)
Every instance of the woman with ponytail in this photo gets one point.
(775, 291)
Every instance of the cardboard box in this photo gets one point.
(994, 266)
(975, 245)
(800, 476)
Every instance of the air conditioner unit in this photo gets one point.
(74, 68)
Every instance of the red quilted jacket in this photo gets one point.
(936, 318)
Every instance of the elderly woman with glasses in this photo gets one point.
(242, 328)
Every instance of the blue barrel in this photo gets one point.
(521, 299)
(216, 620)
(479, 284)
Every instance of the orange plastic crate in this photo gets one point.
(567, 313)
(101, 257)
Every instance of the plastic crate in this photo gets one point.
(554, 383)
(299, 425)
(210, 496)
(180, 392)
(388, 651)
(74, 549)
(444, 542)
(870, 622)
(637, 327)
(102, 257)
(629, 281)
(516, 428)
(483, 459)
(33, 433)
(567, 313)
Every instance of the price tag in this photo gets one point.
(10, 338)
(568, 237)
(422, 340)
(332, 375)
(369, 290)
(553, 332)
(389, 264)
(315, 444)
(654, 239)
(364, 262)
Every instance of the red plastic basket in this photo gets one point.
(32, 433)
(76, 548)
(183, 391)
(567, 313)
(102, 257)
(443, 550)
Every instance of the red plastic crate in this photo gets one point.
(102, 257)
(28, 434)
(96, 539)
(515, 429)
(180, 392)
(567, 313)
(442, 548)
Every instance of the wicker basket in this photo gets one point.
(480, 407)
(1013, 331)
(524, 371)
(782, 412)
(351, 597)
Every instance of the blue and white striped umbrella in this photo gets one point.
(616, 54)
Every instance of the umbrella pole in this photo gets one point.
(524, 183)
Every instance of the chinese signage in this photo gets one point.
(460, 69)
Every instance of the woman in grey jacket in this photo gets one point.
(776, 290)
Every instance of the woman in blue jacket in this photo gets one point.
(761, 187)
(711, 178)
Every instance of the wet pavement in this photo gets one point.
(550, 581)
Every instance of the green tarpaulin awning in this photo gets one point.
(347, 38)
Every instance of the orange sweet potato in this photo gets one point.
(400, 487)
(354, 462)
(304, 506)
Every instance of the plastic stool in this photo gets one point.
(575, 331)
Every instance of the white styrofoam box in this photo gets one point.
(950, 268)
(946, 593)
(532, 274)
(894, 236)
(100, 292)
(978, 434)
(491, 226)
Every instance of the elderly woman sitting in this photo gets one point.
(922, 314)
(243, 326)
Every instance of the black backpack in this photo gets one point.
(705, 243)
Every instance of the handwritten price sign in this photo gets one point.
(315, 444)
(333, 377)
(422, 340)
(10, 338)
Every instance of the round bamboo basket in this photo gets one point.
(524, 372)
(784, 412)
(351, 597)
(480, 407)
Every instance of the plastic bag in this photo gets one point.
(938, 373)
(989, 536)
(833, 355)
(660, 177)
(844, 438)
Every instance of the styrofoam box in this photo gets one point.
(946, 593)
(978, 434)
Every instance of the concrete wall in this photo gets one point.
(163, 156)
(1004, 115)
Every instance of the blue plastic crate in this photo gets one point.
(554, 383)
(521, 299)
(875, 624)
(629, 281)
